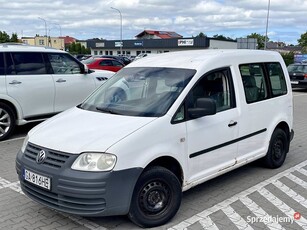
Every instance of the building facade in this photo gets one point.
(54, 42)
(135, 47)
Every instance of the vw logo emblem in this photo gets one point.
(40, 158)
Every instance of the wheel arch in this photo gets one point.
(169, 163)
(12, 106)
(285, 127)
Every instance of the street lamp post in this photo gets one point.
(267, 25)
(121, 29)
(45, 29)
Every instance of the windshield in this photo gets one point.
(140, 91)
(297, 68)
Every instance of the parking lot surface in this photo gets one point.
(251, 197)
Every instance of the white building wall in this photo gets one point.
(218, 44)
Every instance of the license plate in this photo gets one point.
(294, 82)
(37, 179)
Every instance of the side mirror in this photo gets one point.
(84, 69)
(204, 107)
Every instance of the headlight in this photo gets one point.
(24, 145)
(94, 162)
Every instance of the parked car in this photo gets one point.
(160, 126)
(38, 82)
(123, 59)
(142, 55)
(298, 75)
(103, 64)
(82, 57)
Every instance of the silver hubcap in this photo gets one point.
(5, 122)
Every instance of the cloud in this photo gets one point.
(232, 18)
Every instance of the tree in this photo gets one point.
(76, 48)
(288, 57)
(222, 37)
(4, 37)
(201, 35)
(14, 38)
(303, 42)
(260, 39)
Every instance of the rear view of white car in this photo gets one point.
(160, 126)
(38, 82)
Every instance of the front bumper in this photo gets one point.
(76, 192)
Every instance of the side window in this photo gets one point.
(25, 63)
(63, 64)
(277, 79)
(217, 86)
(106, 63)
(2, 64)
(254, 83)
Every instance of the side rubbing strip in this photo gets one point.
(226, 143)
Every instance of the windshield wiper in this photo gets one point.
(106, 110)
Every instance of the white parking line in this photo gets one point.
(288, 211)
(236, 218)
(242, 196)
(260, 213)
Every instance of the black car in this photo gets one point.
(298, 75)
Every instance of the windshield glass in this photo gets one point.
(297, 68)
(140, 91)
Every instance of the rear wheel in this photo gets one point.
(156, 197)
(277, 151)
(7, 121)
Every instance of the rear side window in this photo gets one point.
(277, 79)
(253, 78)
(1, 64)
(25, 63)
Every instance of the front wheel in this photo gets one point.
(7, 121)
(277, 151)
(156, 197)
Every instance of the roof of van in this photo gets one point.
(192, 59)
(21, 47)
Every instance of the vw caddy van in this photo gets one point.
(39, 82)
(157, 128)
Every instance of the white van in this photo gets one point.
(38, 82)
(160, 126)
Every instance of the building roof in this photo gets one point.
(160, 34)
(68, 40)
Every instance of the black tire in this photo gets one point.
(156, 198)
(278, 149)
(7, 121)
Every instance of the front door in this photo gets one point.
(71, 86)
(211, 139)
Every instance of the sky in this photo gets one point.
(86, 19)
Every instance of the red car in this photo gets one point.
(103, 63)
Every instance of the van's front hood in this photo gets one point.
(76, 130)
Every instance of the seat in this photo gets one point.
(251, 89)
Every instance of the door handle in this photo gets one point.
(14, 82)
(60, 80)
(232, 123)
